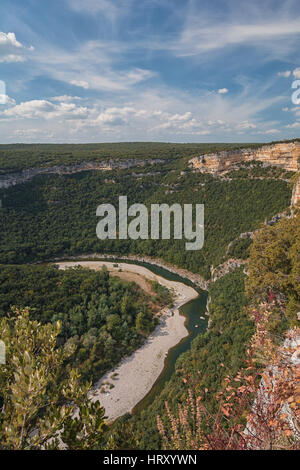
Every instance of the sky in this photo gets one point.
(149, 70)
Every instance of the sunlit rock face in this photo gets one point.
(286, 156)
(283, 155)
(296, 192)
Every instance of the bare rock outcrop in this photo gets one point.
(283, 155)
(296, 192)
(225, 268)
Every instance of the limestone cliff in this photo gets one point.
(284, 155)
(296, 192)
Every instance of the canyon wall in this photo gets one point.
(283, 155)
(296, 192)
(12, 179)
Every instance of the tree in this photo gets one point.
(43, 404)
(141, 323)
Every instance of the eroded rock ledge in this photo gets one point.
(11, 179)
(296, 192)
(284, 155)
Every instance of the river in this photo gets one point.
(192, 311)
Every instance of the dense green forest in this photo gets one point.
(55, 216)
(104, 317)
(240, 248)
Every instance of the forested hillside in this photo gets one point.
(53, 216)
(207, 402)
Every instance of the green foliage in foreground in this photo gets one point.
(102, 317)
(56, 215)
(36, 403)
(214, 354)
(274, 266)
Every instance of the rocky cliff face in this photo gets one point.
(296, 192)
(12, 179)
(282, 155)
(286, 156)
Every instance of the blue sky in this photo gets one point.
(148, 70)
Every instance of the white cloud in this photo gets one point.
(6, 100)
(112, 80)
(204, 132)
(80, 83)
(36, 109)
(28, 132)
(11, 50)
(65, 98)
(184, 121)
(296, 111)
(217, 122)
(296, 72)
(271, 131)
(12, 58)
(285, 74)
(246, 125)
(117, 116)
(293, 126)
(222, 91)
(180, 117)
(9, 39)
